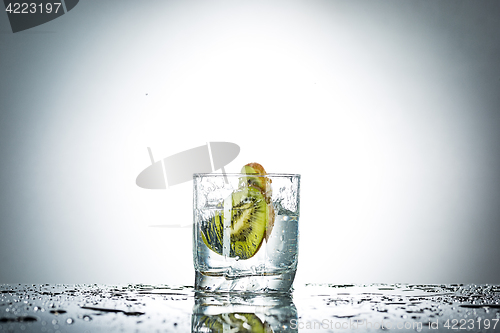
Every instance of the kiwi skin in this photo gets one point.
(263, 184)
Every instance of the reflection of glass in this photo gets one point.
(245, 232)
(236, 313)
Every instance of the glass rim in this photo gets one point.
(233, 174)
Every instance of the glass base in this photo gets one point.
(281, 283)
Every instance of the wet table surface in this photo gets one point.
(310, 308)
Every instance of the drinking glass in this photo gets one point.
(246, 232)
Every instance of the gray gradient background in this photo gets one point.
(388, 109)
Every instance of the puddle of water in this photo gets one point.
(314, 307)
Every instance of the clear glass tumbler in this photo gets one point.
(246, 232)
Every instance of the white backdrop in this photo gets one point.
(387, 109)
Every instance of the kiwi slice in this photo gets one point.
(263, 184)
(233, 322)
(249, 219)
